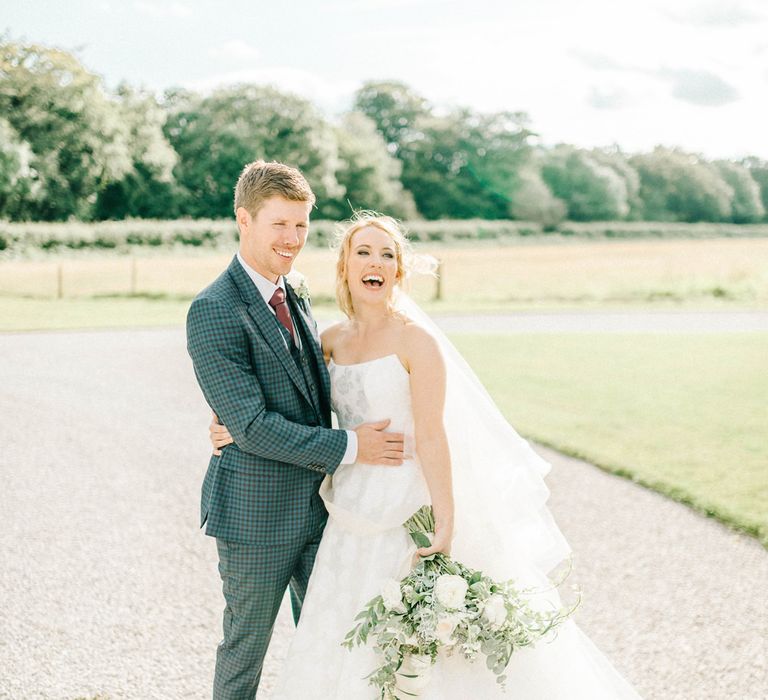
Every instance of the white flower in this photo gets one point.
(414, 674)
(495, 611)
(298, 283)
(450, 590)
(446, 624)
(390, 592)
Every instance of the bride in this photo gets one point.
(484, 482)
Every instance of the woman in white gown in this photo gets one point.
(484, 482)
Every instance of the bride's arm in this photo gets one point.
(427, 371)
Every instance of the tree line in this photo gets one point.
(72, 149)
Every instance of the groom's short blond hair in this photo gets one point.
(261, 180)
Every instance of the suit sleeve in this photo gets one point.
(218, 346)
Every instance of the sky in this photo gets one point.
(687, 73)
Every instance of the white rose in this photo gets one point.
(495, 611)
(414, 674)
(450, 590)
(390, 592)
(446, 624)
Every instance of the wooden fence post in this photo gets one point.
(134, 275)
(439, 282)
(60, 281)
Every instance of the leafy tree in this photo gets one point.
(216, 136)
(591, 190)
(148, 190)
(369, 174)
(758, 171)
(77, 140)
(394, 108)
(680, 186)
(464, 165)
(461, 164)
(533, 200)
(615, 159)
(17, 184)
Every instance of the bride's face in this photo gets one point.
(372, 268)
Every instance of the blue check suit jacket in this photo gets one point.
(263, 488)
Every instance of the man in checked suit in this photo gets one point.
(257, 358)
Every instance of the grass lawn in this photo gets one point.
(24, 314)
(732, 272)
(682, 414)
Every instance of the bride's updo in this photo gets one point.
(363, 219)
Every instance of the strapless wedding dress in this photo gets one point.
(364, 543)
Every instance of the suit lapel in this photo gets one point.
(267, 324)
(302, 317)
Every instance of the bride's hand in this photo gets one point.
(441, 542)
(219, 435)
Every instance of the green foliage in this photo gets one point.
(70, 149)
(679, 186)
(394, 108)
(148, 190)
(77, 139)
(465, 165)
(758, 169)
(590, 189)
(17, 183)
(216, 136)
(746, 204)
(458, 165)
(533, 200)
(19, 239)
(24, 238)
(369, 173)
(616, 160)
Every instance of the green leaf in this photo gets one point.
(420, 539)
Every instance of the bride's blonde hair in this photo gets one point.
(343, 243)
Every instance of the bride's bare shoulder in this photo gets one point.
(331, 336)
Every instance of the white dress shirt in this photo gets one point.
(267, 289)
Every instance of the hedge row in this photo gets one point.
(25, 238)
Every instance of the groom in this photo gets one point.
(257, 358)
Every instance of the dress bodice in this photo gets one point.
(371, 391)
(375, 497)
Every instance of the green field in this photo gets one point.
(682, 414)
(716, 273)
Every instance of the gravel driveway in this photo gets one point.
(107, 587)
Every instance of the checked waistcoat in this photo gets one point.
(275, 402)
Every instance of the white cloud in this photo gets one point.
(700, 87)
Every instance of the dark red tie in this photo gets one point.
(277, 302)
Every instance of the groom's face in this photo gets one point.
(271, 240)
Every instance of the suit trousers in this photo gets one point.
(254, 579)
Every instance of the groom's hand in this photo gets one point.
(374, 446)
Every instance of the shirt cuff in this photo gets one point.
(350, 456)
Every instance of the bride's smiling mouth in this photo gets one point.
(373, 281)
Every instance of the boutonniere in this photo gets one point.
(299, 284)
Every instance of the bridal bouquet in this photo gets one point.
(443, 604)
